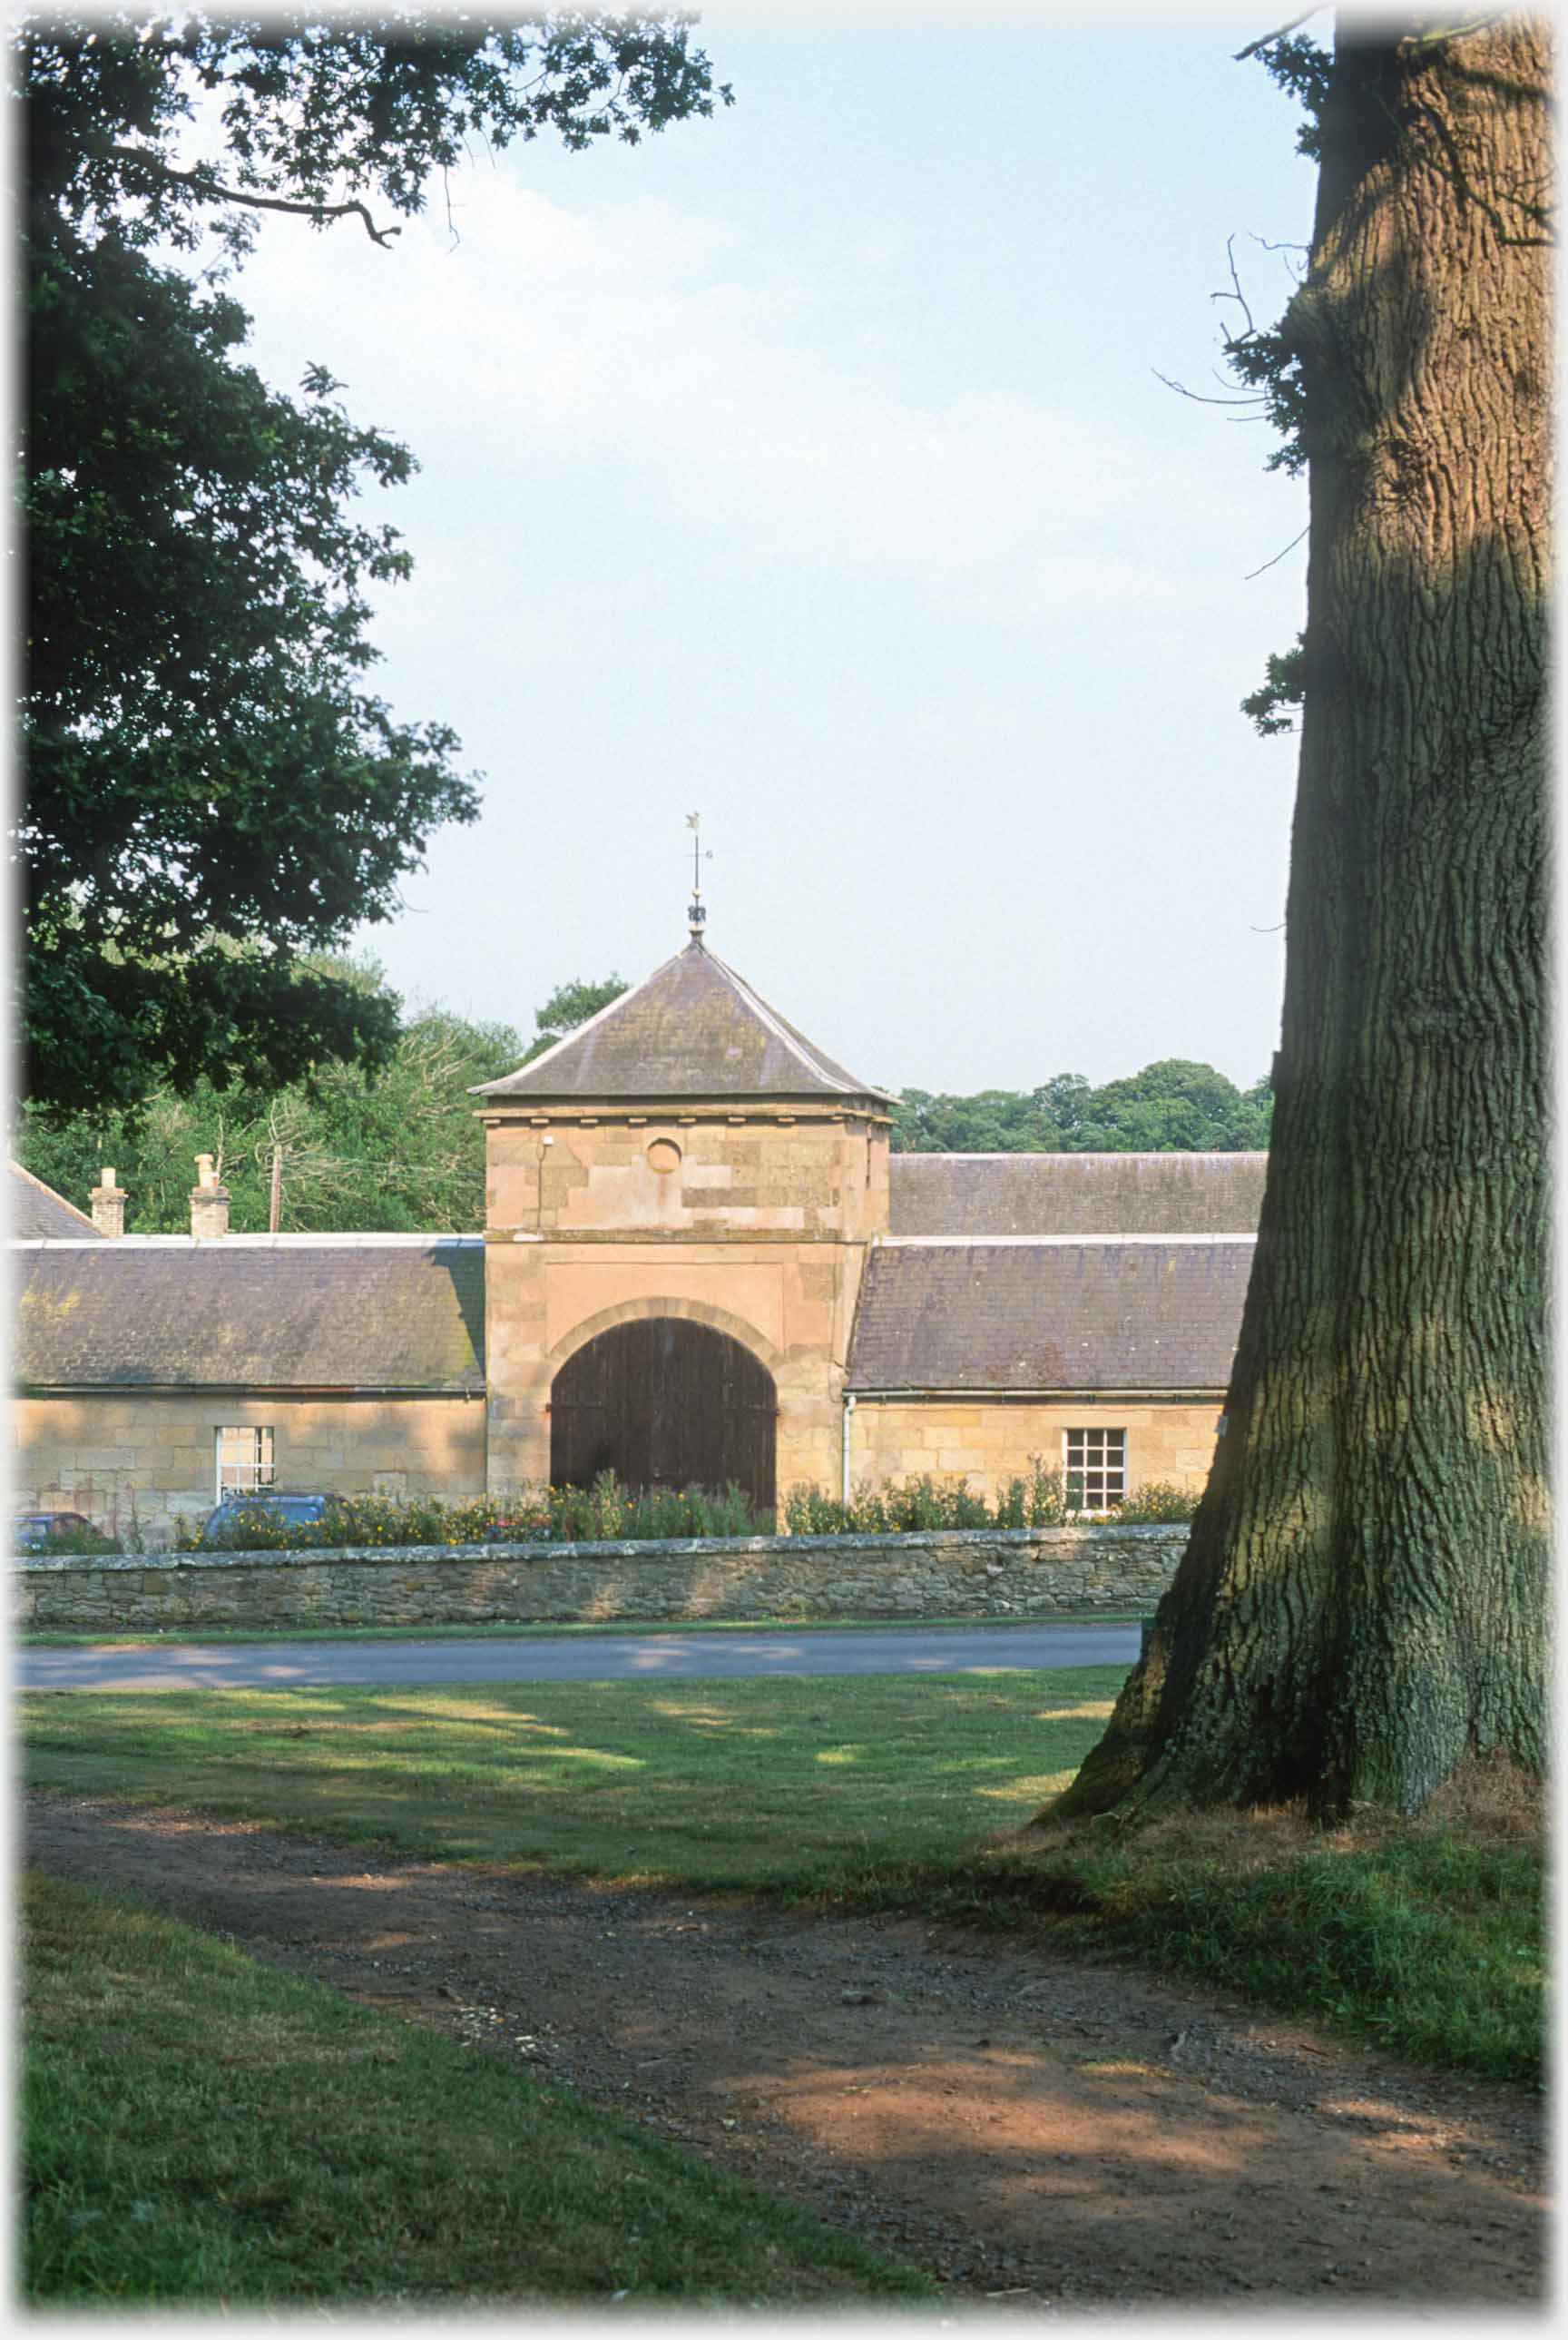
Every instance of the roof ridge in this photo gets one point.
(795, 1042)
(1059, 1243)
(1072, 1153)
(344, 1239)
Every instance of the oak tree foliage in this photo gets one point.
(214, 794)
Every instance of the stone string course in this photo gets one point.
(971, 1572)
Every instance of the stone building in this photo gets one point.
(701, 1262)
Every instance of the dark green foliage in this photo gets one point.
(213, 796)
(1175, 1106)
(1271, 706)
(401, 1153)
(906, 1507)
(320, 112)
(1265, 360)
(83, 1542)
(609, 1512)
(1302, 68)
(1156, 1502)
(605, 1513)
(1172, 1107)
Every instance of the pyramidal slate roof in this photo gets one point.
(694, 1029)
(296, 1313)
(38, 1214)
(1076, 1194)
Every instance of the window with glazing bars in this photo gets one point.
(1095, 1466)
(245, 1462)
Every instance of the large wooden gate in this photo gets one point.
(664, 1402)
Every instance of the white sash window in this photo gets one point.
(1094, 1465)
(245, 1462)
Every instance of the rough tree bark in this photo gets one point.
(1362, 1603)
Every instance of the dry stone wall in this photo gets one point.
(972, 1573)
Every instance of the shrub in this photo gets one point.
(81, 1540)
(1157, 1500)
(609, 1512)
(1043, 1500)
(605, 1513)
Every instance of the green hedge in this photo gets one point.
(609, 1512)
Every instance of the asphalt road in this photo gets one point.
(607, 1657)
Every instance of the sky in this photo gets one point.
(809, 468)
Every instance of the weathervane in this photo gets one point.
(696, 917)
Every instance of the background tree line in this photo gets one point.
(400, 1151)
(1174, 1107)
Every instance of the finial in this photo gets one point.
(696, 917)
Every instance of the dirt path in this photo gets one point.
(1031, 2127)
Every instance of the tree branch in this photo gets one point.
(1236, 292)
(1434, 34)
(1270, 564)
(1268, 39)
(1255, 399)
(209, 191)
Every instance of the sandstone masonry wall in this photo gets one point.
(990, 1443)
(757, 1226)
(150, 1456)
(971, 1572)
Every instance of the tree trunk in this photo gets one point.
(1362, 1603)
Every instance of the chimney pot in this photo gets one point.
(108, 1201)
(209, 1204)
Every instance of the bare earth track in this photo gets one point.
(1038, 2128)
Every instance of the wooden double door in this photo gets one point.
(664, 1402)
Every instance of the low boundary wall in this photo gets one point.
(969, 1572)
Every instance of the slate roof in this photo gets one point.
(694, 1029)
(38, 1214)
(299, 1314)
(1076, 1194)
(1144, 1315)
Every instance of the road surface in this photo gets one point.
(607, 1657)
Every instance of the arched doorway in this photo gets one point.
(665, 1402)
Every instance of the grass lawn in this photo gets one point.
(200, 2128)
(869, 1791)
(789, 1785)
(1427, 1936)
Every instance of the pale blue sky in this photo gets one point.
(808, 466)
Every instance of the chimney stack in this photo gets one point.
(209, 1204)
(108, 1202)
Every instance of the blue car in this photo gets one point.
(37, 1531)
(227, 1521)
